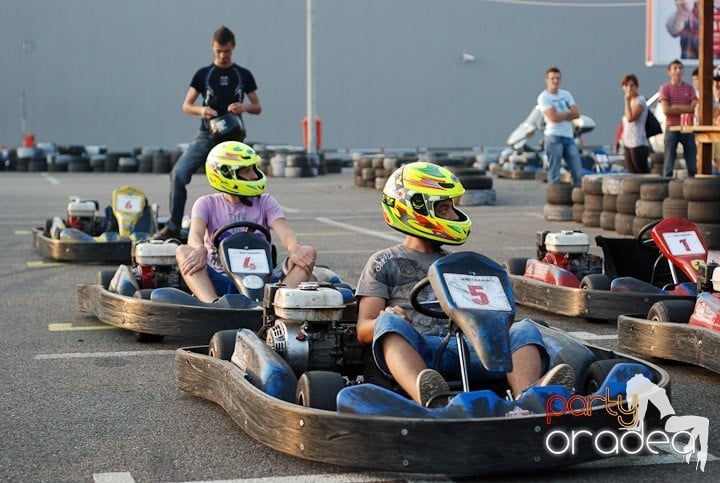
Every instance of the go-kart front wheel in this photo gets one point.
(595, 281)
(515, 265)
(597, 372)
(222, 344)
(319, 389)
(671, 311)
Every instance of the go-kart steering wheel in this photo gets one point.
(421, 307)
(240, 224)
(646, 241)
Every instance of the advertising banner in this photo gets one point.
(673, 28)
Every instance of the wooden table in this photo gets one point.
(704, 135)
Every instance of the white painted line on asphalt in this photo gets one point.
(338, 478)
(69, 327)
(50, 179)
(377, 234)
(113, 478)
(90, 355)
(591, 336)
(535, 215)
(289, 210)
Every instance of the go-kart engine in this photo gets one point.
(155, 264)
(568, 249)
(307, 330)
(81, 215)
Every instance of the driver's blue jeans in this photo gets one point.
(557, 148)
(672, 139)
(187, 165)
(522, 333)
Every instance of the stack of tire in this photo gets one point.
(559, 205)
(656, 163)
(675, 204)
(649, 207)
(97, 156)
(611, 186)
(578, 201)
(592, 187)
(703, 206)
(302, 165)
(364, 169)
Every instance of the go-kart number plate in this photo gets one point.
(128, 204)
(477, 292)
(683, 243)
(248, 261)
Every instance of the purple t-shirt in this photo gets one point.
(218, 212)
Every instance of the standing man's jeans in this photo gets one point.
(557, 148)
(687, 139)
(183, 170)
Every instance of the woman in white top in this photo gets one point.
(634, 138)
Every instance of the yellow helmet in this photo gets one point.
(409, 199)
(223, 163)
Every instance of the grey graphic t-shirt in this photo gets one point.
(392, 273)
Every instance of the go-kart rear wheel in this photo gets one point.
(319, 389)
(515, 265)
(678, 311)
(222, 344)
(597, 372)
(595, 281)
(148, 338)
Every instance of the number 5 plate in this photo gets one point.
(477, 292)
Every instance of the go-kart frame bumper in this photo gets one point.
(577, 302)
(458, 446)
(675, 341)
(148, 317)
(81, 251)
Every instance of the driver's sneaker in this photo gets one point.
(430, 384)
(166, 233)
(560, 375)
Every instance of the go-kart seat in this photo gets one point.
(144, 225)
(624, 257)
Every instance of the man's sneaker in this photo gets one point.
(560, 375)
(166, 233)
(429, 384)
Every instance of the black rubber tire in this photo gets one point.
(648, 209)
(593, 202)
(148, 338)
(595, 281)
(701, 189)
(591, 217)
(626, 203)
(609, 203)
(104, 277)
(476, 182)
(559, 194)
(607, 220)
(703, 211)
(222, 344)
(592, 185)
(624, 223)
(654, 191)
(675, 207)
(577, 212)
(678, 311)
(578, 195)
(297, 161)
(597, 372)
(515, 265)
(675, 188)
(319, 389)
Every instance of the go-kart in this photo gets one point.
(681, 330)
(151, 299)
(85, 236)
(630, 277)
(311, 390)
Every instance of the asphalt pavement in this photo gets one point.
(82, 401)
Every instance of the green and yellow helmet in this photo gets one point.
(409, 199)
(223, 164)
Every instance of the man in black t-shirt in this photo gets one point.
(223, 86)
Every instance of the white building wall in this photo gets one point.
(387, 72)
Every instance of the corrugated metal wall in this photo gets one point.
(388, 72)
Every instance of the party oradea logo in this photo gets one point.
(684, 435)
